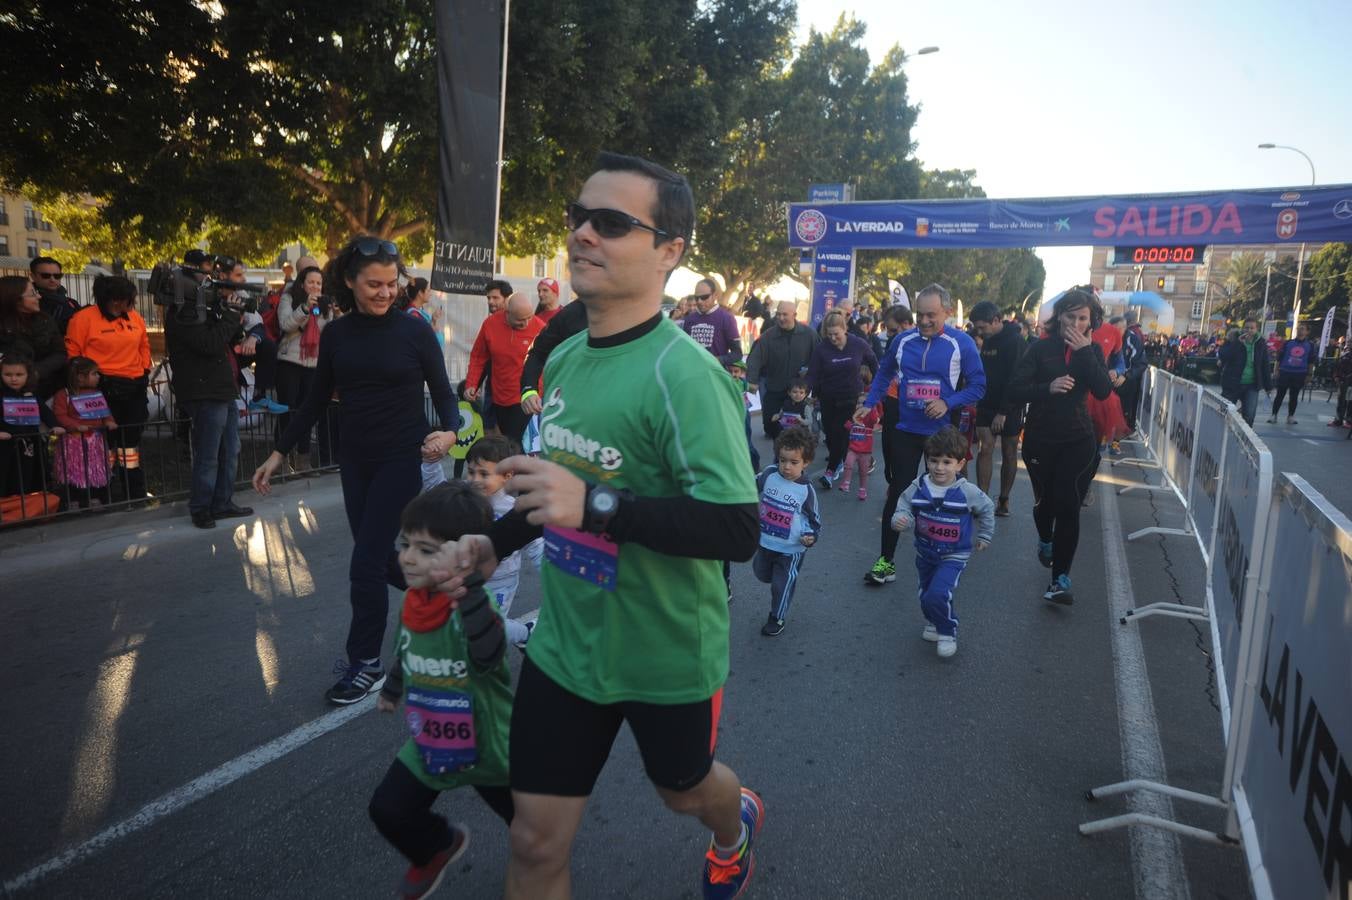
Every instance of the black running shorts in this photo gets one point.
(560, 741)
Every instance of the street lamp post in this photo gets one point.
(1300, 263)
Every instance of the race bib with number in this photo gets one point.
(775, 520)
(788, 419)
(860, 432)
(587, 556)
(22, 411)
(920, 391)
(442, 725)
(938, 529)
(90, 406)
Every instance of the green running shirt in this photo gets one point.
(659, 417)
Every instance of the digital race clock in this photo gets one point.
(1160, 255)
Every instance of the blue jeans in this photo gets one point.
(1248, 402)
(215, 454)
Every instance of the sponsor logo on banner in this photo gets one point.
(1289, 196)
(1188, 220)
(1286, 223)
(810, 226)
(1062, 224)
(1343, 209)
(922, 227)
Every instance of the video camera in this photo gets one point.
(192, 301)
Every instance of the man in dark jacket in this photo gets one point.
(200, 355)
(997, 415)
(1133, 355)
(55, 302)
(777, 358)
(1245, 369)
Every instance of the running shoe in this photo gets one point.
(420, 881)
(947, 645)
(863, 493)
(1059, 591)
(1335, 423)
(1002, 507)
(268, 405)
(1115, 449)
(1044, 553)
(882, 572)
(929, 634)
(356, 682)
(530, 626)
(1291, 421)
(827, 479)
(773, 627)
(726, 879)
(1272, 420)
(844, 487)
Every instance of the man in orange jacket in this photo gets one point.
(503, 342)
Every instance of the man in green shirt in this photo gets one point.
(642, 490)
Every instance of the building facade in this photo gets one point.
(24, 233)
(1191, 278)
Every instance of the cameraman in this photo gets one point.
(204, 373)
(256, 344)
(302, 315)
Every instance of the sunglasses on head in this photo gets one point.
(57, 275)
(369, 246)
(608, 223)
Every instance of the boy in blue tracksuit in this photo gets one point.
(789, 522)
(952, 517)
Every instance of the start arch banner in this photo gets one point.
(1263, 216)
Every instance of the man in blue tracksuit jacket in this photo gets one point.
(929, 362)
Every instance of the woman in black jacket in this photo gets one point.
(1059, 447)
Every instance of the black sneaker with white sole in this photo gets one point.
(356, 683)
(772, 626)
(1059, 591)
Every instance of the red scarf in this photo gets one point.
(424, 611)
(309, 338)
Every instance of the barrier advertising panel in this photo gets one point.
(1209, 451)
(1159, 423)
(1294, 780)
(1144, 422)
(1177, 457)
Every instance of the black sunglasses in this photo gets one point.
(609, 223)
(703, 297)
(369, 246)
(57, 275)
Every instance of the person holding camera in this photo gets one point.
(254, 346)
(302, 315)
(200, 345)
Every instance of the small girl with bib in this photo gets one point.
(82, 454)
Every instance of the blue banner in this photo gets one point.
(1276, 215)
(830, 281)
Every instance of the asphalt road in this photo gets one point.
(1319, 454)
(144, 654)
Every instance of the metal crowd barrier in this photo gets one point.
(1278, 599)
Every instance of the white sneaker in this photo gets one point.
(929, 633)
(947, 645)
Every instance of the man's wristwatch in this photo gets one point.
(599, 507)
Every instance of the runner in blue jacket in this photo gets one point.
(938, 371)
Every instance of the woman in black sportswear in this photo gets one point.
(378, 358)
(1059, 447)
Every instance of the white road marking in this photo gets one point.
(1310, 442)
(197, 789)
(1156, 857)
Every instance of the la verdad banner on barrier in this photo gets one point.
(1209, 446)
(1182, 429)
(1294, 790)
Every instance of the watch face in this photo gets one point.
(603, 502)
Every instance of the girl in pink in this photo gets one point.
(860, 454)
(82, 454)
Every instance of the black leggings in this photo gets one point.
(1061, 474)
(401, 809)
(1288, 382)
(890, 413)
(905, 456)
(836, 411)
(374, 495)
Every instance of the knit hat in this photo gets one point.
(549, 283)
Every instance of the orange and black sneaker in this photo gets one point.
(725, 878)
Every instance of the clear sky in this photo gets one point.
(1138, 96)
